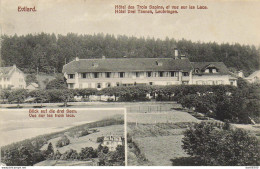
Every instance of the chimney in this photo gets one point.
(176, 53)
(77, 59)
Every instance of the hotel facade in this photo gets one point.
(108, 72)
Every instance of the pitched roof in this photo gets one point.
(127, 64)
(254, 74)
(7, 71)
(222, 69)
(33, 85)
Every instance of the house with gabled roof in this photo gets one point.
(110, 72)
(212, 73)
(12, 78)
(32, 86)
(112, 142)
(254, 77)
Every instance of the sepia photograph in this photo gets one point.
(62, 137)
(129, 83)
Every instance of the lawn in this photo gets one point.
(157, 137)
(160, 117)
(160, 150)
(77, 143)
(64, 163)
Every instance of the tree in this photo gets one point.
(18, 96)
(63, 141)
(11, 157)
(100, 139)
(25, 157)
(50, 149)
(61, 95)
(105, 150)
(57, 83)
(4, 94)
(31, 78)
(87, 153)
(40, 96)
(216, 146)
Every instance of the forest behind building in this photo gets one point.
(49, 52)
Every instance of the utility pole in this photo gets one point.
(37, 75)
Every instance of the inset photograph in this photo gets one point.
(62, 137)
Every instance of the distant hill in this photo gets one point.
(48, 52)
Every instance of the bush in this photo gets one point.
(84, 133)
(63, 142)
(70, 155)
(87, 153)
(58, 83)
(215, 146)
(100, 139)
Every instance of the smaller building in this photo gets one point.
(112, 142)
(32, 86)
(212, 73)
(12, 78)
(254, 77)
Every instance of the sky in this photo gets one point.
(224, 21)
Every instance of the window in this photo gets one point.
(95, 75)
(149, 74)
(210, 82)
(185, 74)
(71, 85)
(160, 74)
(98, 85)
(117, 84)
(121, 74)
(196, 70)
(219, 82)
(108, 74)
(108, 85)
(172, 74)
(155, 74)
(84, 75)
(200, 82)
(137, 74)
(71, 76)
(150, 83)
